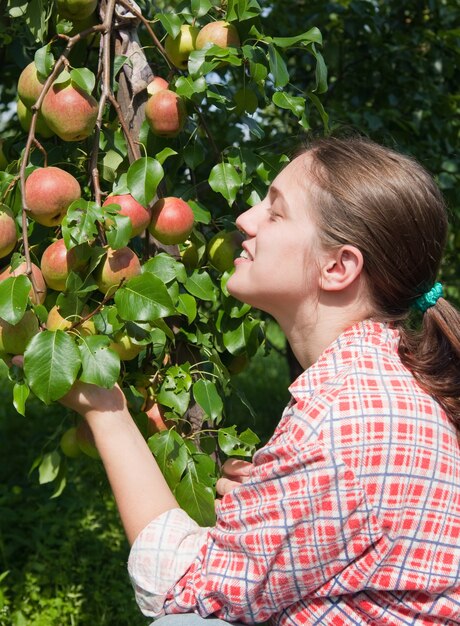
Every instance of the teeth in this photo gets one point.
(244, 254)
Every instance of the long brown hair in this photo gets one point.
(389, 206)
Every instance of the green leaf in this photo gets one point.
(278, 67)
(14, 296)
(320, 72)
(79, 223)
(51, 364)
(200, 285)
(187, 87)
(21, 392)
(120, 231)
(171, 22)
(186, 305)
(144, 298)
(166, 268)
(196, 499)
(296, 104)
(174, 391)
(200, 7)
(311, 36)
(224, 179)
(49, 467)
(206, 394)
(143, 178)
(233, 444)
(171, 454)
(44, 60)
(238, 340)
(63, 77)
(84, 78)
(100, 365)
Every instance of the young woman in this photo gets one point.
(351, 512)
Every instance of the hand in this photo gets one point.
(234, 472)
(87, 399)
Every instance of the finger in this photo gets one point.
(236, 468)
(224, 486)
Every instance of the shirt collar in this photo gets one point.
(351, 344)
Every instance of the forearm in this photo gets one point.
(140, 491)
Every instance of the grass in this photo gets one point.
(63, 559)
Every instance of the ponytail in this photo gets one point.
(433, 356)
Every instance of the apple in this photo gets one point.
(124, 346)
(221, 249)
(219, 33)
(14, 338)
(30, 85)
(79, 9)
(178, 48)
(139, 215)
(25, 120)
(8, 231)
(38, 280)
(172, 220)
(48, 193)
(55, 321)
(86, 441)
(157, 84)
(69, 111)
(118, 265)
(165, 113)
(69, 443)
(56, 264)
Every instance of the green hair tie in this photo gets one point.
(429, 299)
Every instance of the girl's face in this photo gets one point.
(277, 270)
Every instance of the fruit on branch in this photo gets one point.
(30, 85)
(155, 414)
(56, 264)
(55, 321)
(79, 9)
(37, 277)
(118, 265)
(157, 84)
(124, 346)
(221, 249)
(139, 215)
(178, 48)
(14, 338)
(69, 443)
(219, 33)
(49, 191)
(69, 111)
(8, 231)
(172, 220)
(25, 120)
(165, 113)
(86, 441)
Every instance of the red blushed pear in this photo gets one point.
(219, 33)
(38, 280)
(69, 111)
(8, 231)
(55, 321)
(30, 85)
(48, 193)
(155, 414)
(165, 113)
(56, 264)
(118, 265)
(139, 215)
(25, 120)
(172, 220)
(157, 84)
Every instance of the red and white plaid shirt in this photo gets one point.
(351, 514)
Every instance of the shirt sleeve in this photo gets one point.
(160, 555)
(281, 537)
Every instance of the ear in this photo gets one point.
(341, 268)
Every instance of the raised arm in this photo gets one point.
(140, 491)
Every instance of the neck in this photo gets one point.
(309, 333)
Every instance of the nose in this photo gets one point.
(248, 221)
